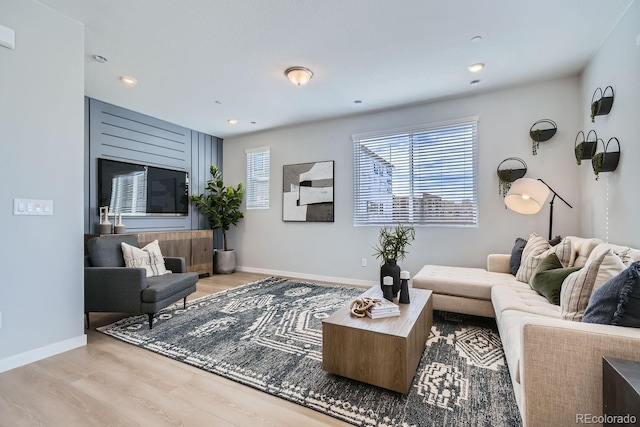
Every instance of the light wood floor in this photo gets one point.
(109, 382)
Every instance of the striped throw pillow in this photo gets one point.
(602, 265)
(537, 249)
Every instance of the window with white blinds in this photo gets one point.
(426, 175)
(258, 178)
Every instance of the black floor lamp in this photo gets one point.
(527, 196)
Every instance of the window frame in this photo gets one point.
(258, 198)
(409, 211)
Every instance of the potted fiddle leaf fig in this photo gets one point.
(221, 206)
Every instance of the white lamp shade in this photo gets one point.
(526, 196)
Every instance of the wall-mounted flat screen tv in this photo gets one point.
(132, 189)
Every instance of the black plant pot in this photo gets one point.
(391, 268)
(603, 102)
(542, 135)
(604, 105)
(588, 149)
(585, 149)
(610, 161)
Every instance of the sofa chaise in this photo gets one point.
(554, 359)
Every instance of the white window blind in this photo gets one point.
(258, 178)
(426, 175)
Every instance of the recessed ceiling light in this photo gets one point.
(476, 39)
(474, 82)
(128, 80)
(357, 101)
(101, 59)
(232, 121)
(474, 68)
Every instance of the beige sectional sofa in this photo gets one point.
(555, 364)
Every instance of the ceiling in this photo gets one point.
(201, 62)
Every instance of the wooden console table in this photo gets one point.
(195, 246)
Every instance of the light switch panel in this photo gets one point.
(32, 207)
(7, 37)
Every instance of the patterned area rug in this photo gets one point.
(268, 335)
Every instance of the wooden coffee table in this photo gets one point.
(383, 352)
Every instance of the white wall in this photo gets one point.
(265, 242)
(41, 157)
(616, 64)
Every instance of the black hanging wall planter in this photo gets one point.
(607, 160)
(585, 148)
(601, 102)
(544, 131)
(506, 174)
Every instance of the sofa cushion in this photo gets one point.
(582, 248)
(510, 329)
(522, 299)
(617, 302)
(602, 265)
(516, 255)
(629, 255)
(106, 251)
(149, 258)
(537, 249)
(548, 277)
(462, 281)
(161, 287)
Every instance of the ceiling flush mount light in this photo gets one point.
(232, 121)
(99, 58)
(474, 68)
(129, 81)
(298, 75)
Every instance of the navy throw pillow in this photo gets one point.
(516, 255)
(617, 302)
(555, 240)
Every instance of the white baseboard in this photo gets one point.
(40, 353)
(314, 277)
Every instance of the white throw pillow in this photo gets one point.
(602, 265)
(537, 249)
(150, 258)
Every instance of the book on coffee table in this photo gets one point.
(383, 308)
(382, 315)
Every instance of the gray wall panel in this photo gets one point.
(120, 134)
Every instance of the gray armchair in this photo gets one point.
(109, 286)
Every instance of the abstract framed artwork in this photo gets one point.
(307, 192)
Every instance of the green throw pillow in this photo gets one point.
(548, 277)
